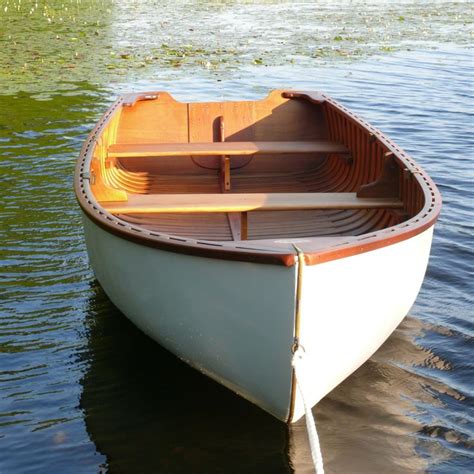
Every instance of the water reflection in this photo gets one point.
(143, 407)
(410, 405)
(365, 423)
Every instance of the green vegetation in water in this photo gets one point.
(47, 45)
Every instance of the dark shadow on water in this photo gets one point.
(147, 411)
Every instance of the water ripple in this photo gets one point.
(78, 382)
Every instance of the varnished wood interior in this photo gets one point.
(222, 148)
(233, 202)
(305, 151)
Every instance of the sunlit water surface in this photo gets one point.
(82, 390)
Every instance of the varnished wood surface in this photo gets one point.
(235, 224)
(223, 148)
(264, 225)
(155, 173)
(231, 202)
(281, 117)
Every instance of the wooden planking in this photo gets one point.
(262, 173)
(154, 121)
(190, 203)
(205, 120)
(213, 226)
(223, 148)
(262, 225)
(268, 119)
(278, 116)
(206, 124)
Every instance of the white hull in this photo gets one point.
(351, 306)
(234, 321)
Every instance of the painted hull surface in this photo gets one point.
(351, 306)
(232, 321)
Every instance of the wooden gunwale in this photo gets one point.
(418, 183)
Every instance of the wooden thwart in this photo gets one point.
(192, 203)
(223, 148)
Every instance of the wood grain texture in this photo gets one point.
(223, 148)
(235, 224)
(196, 203)
(154, 121)
(225, 174)
(244, 227)
(283, 116)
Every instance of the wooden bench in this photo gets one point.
(238, 205)
(192, 203)
(224, 148)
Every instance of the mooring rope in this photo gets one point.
(298, 363)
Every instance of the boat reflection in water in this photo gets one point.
(147, 411)
(366, 425)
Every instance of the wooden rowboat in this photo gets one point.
(232, 232)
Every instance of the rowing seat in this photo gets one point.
(233, 202)
(224, 148)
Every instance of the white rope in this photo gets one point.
(298, 363)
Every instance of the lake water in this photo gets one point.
(81, 389)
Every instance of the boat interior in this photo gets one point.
(293, 165)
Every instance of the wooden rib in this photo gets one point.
(99, 176)
(387, 184)
(138, 204)
(223, 148)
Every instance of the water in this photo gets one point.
(81, 389)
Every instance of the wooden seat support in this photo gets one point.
(225, 161)
(224, 148)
